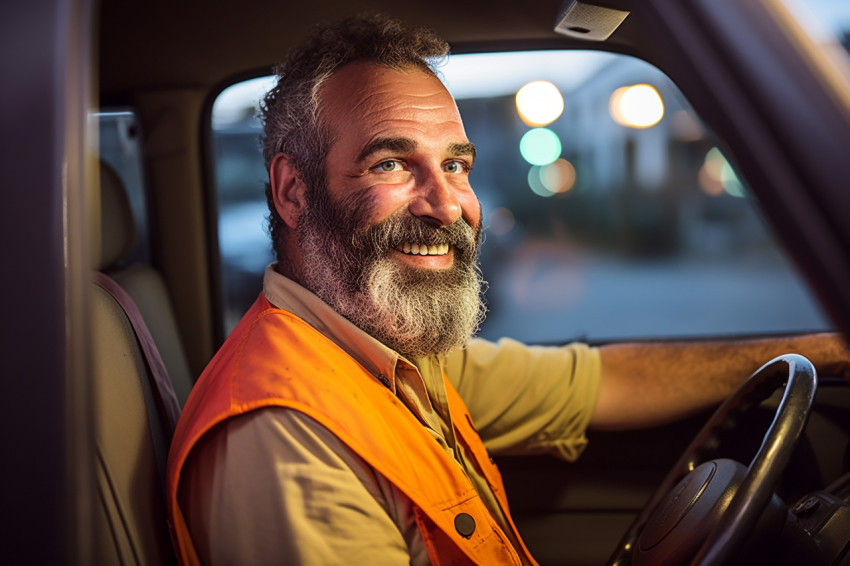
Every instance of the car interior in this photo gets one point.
(133, 235)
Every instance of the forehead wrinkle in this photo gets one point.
(378, 102)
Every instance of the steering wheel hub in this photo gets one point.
(686, 516)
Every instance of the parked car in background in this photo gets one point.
(690, 181)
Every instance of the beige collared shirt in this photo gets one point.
(274, 487)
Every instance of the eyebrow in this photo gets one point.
(408, 146)
(401, 145)
(461, 149)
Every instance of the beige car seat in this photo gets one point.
(144, 284)
(131, 430)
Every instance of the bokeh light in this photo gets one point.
(535, 184)
(540, 146)
(716, 176)
(555, 178)
(559, 176)
(637, 106)
(539, 103)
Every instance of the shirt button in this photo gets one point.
(465, 525)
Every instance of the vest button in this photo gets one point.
(464, 524)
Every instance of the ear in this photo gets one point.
(287, 189)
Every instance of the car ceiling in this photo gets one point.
(160, 45)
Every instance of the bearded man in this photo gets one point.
(349, 417)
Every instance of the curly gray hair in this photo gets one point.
(290, 111)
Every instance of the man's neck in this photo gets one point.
(285, 268)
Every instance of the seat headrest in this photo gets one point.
(117, 226)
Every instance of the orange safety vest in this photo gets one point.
(274, 358)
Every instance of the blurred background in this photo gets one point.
(610, 211)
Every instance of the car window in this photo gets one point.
(120, 148)
(828, 21)
(610, 210)
(240, 176)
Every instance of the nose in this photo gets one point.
(436, 201)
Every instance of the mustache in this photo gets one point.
(400, 228)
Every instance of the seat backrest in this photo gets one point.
(143, 283)
(130, 519)
(132, 435)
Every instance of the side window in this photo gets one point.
(240, 177)
(610, 211)
(120, 148)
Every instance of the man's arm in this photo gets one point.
(527, 399)
(646, 384)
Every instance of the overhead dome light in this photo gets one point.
(584, 20)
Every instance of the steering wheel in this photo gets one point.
(704, 511)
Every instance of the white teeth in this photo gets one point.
(422, 249)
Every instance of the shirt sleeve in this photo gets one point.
(528, 399)
(275, 487)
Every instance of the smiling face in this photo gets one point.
(399, 145)
(391, 240)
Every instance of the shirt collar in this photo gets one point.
(377, 358)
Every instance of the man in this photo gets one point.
(337, 425)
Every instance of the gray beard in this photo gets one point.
(415, 316)
(416, 312)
